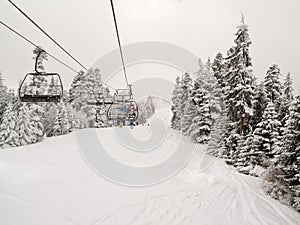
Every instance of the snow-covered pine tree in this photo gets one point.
(49, 118)
(8, 136)
(282, 180)
(62, 123)
(24, 127)
(11, 97)
(75, 87)
(189, 113)
(218, 68)
(259, 104)
(287, 98)
(84, 95)
(186, 107)
(36, 113)
(239, 91)
(200, 127)
(208, 82)
(266, 137)
(273, 87)
(288, 89)
(3, 96)
(176, 105)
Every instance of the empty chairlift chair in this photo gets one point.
(41, 87)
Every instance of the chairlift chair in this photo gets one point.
(41, 86)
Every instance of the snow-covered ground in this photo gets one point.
(50, 183)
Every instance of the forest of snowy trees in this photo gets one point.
(27, 123)
(254, 126)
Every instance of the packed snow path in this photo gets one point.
(50, 183)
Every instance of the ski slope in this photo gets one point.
(51, 183)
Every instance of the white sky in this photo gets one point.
(205, 27)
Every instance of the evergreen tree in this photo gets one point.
(218, 67)
(288, 89)
(208, 82)
(201, 118)
(3, 96)
(273, 87)
(190, 111)
(240, 82)
(62, 124)
(84, 95)
(217, 135)
(8, 136)
(24, 127)
(36, 113)
(48, 120)
(176, 105)
(287, 98)
(186, 107)
(266, 137)
(259, 105)
(239, 92)
(75, 86)
(11, 97)
(282, 180)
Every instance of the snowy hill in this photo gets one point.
(50, 183)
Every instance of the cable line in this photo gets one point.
(47, 34)
(26, 39)
(52, 56)
(119, 42)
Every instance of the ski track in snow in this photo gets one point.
(52, 181)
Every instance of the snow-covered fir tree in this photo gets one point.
(8, 136)
(85, 95)
(3, 96)
(176, 105)
(36, 113)
(218, 67)
(283, 179)
(75, 88)
(209, 83)
(11, 96)
(189, 113)
(146, 109)
(266, 137)
(239, 91)
(273, 87)
(287, 98)
(217, 135)
(186, 107)
(201, 118)
(48, 120)
(62, 123)
(24, 127)
(259, 104)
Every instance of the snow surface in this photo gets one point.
(50, 183)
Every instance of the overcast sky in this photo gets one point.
(205, 27)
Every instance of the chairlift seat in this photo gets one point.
(40, 98)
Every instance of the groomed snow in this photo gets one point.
(50, 183)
